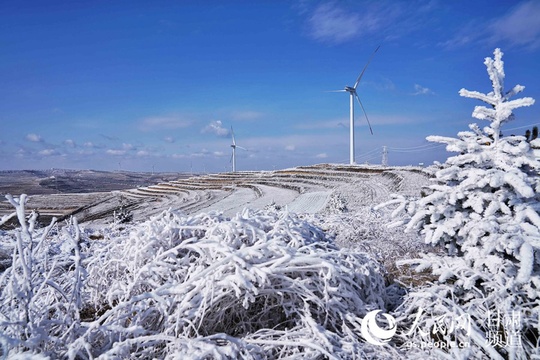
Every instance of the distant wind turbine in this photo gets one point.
(352, 91)
(234, 146)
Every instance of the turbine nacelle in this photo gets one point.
(350, 89)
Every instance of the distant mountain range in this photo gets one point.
(56, 181)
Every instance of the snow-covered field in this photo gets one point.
(301, 190)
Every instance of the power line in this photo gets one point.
(416, 148)
(369, 153)
(369, 159)
(413, 147)
(521, 127)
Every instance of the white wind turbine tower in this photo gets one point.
(352, 91)
(234, 146)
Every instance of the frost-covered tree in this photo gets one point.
(483, 208)
(485, 197)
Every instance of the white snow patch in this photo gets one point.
(310, 203)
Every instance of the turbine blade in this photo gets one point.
(365, 67)
(230, 161)
(243, 148)
(336, 91)
(364, 110)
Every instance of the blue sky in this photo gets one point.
(142, 86)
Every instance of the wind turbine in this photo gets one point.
(352, 91)
(234, 146)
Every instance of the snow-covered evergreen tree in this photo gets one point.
(484, 208)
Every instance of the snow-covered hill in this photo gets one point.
(301, 189)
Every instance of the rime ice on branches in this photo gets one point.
(501, 106)
(483, 208)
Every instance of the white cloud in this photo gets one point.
(290, 147)
(381, 84)
(169, 139)
(216, 127)
(116, 152)
(203, 153)
(198, 155)
(164, 122)
(300, 141)
(34, 138)
(89, 144)
(420, 90)
(70, 143)
(374, 119)
(86, 152)
(339, 22)
(333, 24)
(465, 35)
(48, 152)
(521, 26)
(518, 27)
(321, 156)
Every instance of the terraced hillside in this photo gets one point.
(302, 189)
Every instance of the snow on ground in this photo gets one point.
(268, 196)
(302, 190)
(232, 203)
(310, 203)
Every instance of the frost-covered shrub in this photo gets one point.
(366, 230)
(122, 215)
(40, 288)
(483, 207)
(259, 285)
(336, 204)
